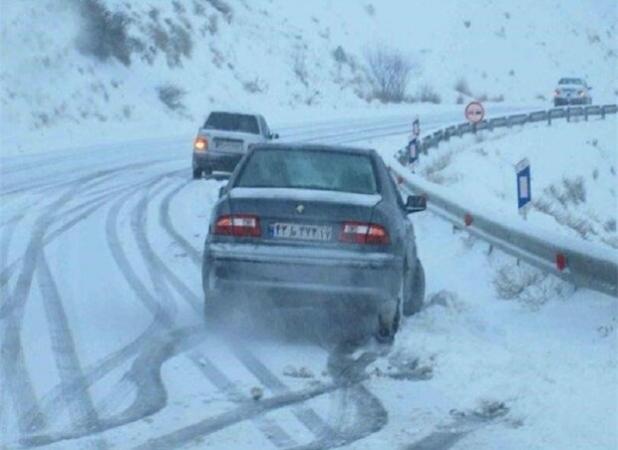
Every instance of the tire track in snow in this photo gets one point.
(145, 377)
(151, 394)
(13, 370)
(79, 403)
(307, 416)
(88, 207)
(270, 429)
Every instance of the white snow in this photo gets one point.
(573, 171)
(276, 57)
(102, 229)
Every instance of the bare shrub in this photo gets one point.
(340, 55)
(198, 8)
(427, 94)
(172, 96)
(213, 24)
(370, 9)
(581, 225)
(610, 226)
(175, 42)
(389, 72)
(104, 34)
(574, 190)
(433, 170)
(497, 98)
(527, 285)
(224, 8)
(300, 67)
(255, 86)
(571, 191)
(459, 100)
(461, 86)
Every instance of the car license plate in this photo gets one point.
(228, 145)
(302, 232)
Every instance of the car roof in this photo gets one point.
(293, 146)
(571, 79)
(244, 113)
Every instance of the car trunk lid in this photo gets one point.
(310, 217)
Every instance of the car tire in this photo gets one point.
(197, 174)
(414, 292)
(386, 332)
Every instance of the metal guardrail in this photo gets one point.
(587, 264)
(567, 113)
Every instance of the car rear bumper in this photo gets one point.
(300, 277)
(213, 160)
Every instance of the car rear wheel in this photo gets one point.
(414, 290)
(197, 174)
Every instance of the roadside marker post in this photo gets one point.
(524, 193)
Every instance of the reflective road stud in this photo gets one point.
(561, 262)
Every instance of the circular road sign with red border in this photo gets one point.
(474, 112)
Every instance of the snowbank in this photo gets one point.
(573, 176)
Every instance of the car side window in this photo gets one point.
(396, 191)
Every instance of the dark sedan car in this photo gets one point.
(319, 226)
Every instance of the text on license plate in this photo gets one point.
(298, 231)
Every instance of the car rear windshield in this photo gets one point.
(571, 81)
(232, 122)
(309, 169)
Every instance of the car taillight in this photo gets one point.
(364, 233)
(238, 225)
(200, 144)
(557, 92)
(582, 93)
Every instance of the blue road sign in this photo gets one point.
(524, 193)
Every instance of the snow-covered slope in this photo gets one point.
(573, 170)
(151, 67)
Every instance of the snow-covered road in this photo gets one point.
(103, 344)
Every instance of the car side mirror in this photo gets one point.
(222, 191)
(416, 203)
(274, 135)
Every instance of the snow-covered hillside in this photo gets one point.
(152, 67)
(573, 175)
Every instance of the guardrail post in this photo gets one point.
(586, 114)
(549, 118)
(568, 114)
(602, 113)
